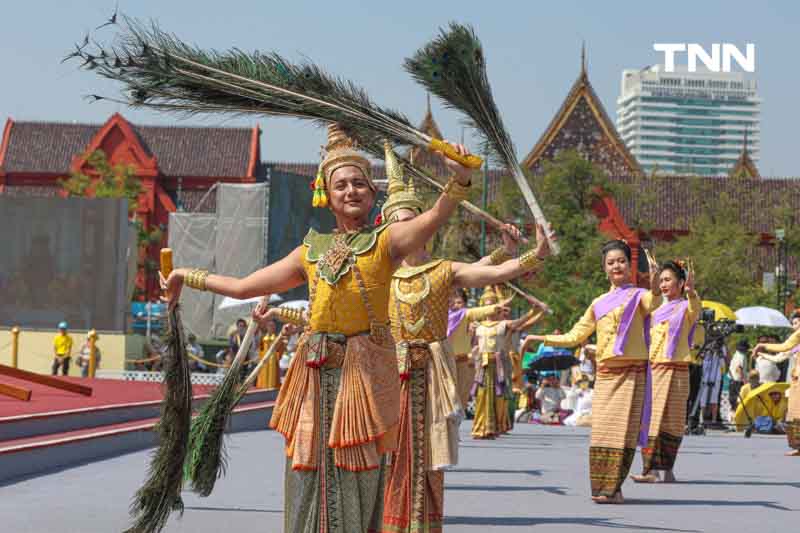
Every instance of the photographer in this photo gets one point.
(714, 355)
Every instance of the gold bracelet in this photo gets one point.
(499, 256)
(292, 316)
(196, 279)
(455, 191)
(529, 261)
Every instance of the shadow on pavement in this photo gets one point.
(231, 509)
(495, 471)
(743, 483)
(558, 491)
(710, 503)
(542, 521)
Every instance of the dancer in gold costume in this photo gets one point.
(430, 408)
(338, 406)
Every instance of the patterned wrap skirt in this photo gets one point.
(670, 386)
(617, 404)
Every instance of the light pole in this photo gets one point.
(782, 272)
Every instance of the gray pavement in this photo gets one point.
(532, 480)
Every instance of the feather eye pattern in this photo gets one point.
(452, 66)
(158, 70)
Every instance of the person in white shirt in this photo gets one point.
(583, 404)
(737, 372)
(550, 395)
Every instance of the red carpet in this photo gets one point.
(105, 392)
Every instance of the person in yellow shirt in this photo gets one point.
(671, 338)
(619, 318)
(62, 348)
(339, 404)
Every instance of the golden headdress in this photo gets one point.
(399, 194)
(490, 296)
(339, 152)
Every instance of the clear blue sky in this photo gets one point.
(532, 48)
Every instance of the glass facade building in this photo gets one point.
(688, 123)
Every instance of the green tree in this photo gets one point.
(721, 246)
(106, 181)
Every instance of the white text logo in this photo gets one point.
(715, 61)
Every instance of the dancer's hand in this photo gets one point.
(543, 240)
(263, 313)
(512, 237)
(462, 173)
(172, 285)
(689, 286)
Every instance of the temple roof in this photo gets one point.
(582, 123)
(745, 167)
(50, 147)
(422, 157)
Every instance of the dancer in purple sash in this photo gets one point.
(619, 318)
(672, 337)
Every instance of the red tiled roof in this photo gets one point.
(49, 147)
(667, 203)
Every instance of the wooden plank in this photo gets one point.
(15, 392)
(47, 381)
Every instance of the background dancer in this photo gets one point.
(619, 317)
(430, 409)
(672, 336)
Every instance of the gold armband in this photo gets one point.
(292, 316)
(529, 261)
(455, 191)
(499, 256)
(196, 279)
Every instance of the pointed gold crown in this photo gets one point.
(489, 296)
(399, 194)
(341, 152)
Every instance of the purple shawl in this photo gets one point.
(674, 312)
(454, 318)
(627, 293)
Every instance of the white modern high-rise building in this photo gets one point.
(692, 123)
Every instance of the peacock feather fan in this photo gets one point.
(453, 67)
(159, 71)
(161, 492)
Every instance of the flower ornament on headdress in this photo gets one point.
(399, 194)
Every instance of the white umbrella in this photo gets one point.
(761, 316)
(229, 302)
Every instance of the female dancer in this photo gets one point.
(339, 405)
(492, 382)
(672, 335)
(792, 346)
(619, 317)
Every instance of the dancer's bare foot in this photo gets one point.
(669, 477)
(793, 453)
(645, 478)
(615, 499)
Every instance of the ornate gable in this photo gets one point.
(745, 167)
(121, 145)
(583, 124)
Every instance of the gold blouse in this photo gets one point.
(418, 301)
(339, 307)
(659, 336)
(635, 348)
(460, 339)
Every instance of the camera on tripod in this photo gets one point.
(717, 330)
